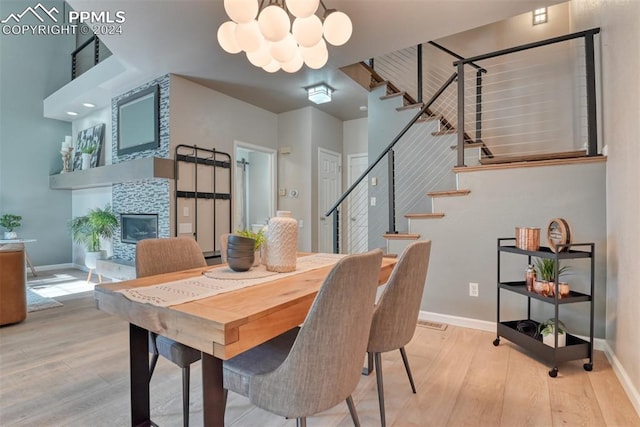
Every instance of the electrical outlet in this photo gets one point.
(373, 201)
(473, 289)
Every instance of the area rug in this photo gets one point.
(36, 302)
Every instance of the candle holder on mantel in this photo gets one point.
(66, 159)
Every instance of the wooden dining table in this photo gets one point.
(220, 326)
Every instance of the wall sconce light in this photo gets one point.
(540, 16)
(320, 93)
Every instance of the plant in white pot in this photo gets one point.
(87, 230)
(546, 329)
(10, 222)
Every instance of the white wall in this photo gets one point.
(620, 52)
(294, 131)
(207, 118)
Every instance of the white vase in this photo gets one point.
(86, 161)
(91, 258)
(550, 340)
(10, 235)
(282, 243)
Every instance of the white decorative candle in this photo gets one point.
(282, 243)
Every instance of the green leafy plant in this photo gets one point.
(89, 149)
(547, 269)
(258, 236)
(10, 221)
(97, 223)
(546, 328)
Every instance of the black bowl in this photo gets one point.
(237, 241)
(240, 264)
(236, 253)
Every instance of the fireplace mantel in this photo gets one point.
(102, 176)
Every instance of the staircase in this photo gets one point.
(432, 146)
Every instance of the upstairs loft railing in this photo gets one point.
(87, 55)
(505, 87)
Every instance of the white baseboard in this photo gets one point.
(623, 377)
(598, 344)
(464, 322)
(55, 267)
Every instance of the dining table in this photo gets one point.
(220, 326)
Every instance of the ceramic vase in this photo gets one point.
(282, 243)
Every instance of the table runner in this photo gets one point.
(194, 288)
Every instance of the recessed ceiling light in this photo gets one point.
(72, 113)
(88, 104)
(363, 108)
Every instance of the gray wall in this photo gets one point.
(464, 241)
(620, 47)
(31, 68)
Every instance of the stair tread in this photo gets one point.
(410, 107)
(425, 215)
(497, 159)
(393, 95)
(448, 193)
(378, 84)
(553, 162)
(401, 236)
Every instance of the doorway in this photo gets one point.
(255, 186)
(357, 220)
(329, 186)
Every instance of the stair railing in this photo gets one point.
(387, 151)
(588, 35)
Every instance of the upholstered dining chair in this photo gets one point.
(158, 256)
(396, 312)
(312, 368)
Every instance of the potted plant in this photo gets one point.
(10, 222)
(87, 230)
(546, 268)
(259, 238)
(87, 152)
(546, 329)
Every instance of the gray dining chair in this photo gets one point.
(158, 256)
(224, 240)
(396, 312)
(312, 368)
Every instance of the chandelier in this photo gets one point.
(273, 42)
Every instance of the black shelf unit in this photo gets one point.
(204, 158)
(575, 348)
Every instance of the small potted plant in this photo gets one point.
(10, 222)
(87, 152)
(546, 272)
(546, 329)
(87, 230)
(259, 238)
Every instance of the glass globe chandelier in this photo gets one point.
(264, 30)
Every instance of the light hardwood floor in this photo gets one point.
(68, 366)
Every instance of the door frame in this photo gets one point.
(346, 224)
(273, 163)
(340, 188)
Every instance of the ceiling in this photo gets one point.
(179, 37)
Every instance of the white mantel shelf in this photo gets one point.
(132, 170)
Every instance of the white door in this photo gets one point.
(329, 185)
(357, 220)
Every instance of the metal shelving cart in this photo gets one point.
(575, 348)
